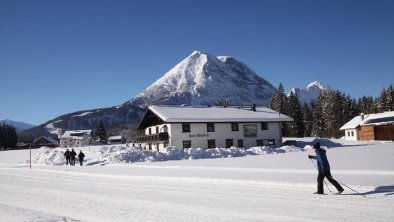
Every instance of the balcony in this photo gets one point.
(158, 137)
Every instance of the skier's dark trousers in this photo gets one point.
(324, 169)
(72, 155)
(81, 156)
(67, 155)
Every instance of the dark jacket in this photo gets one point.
(322, 162)
(73, 154)
(67, 153)
(81, 156)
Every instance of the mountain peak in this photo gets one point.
(316, 84)
(204, 79)
(197, 53)
(310, 94)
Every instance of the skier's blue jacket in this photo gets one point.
(322, 162)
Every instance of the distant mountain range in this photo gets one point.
(200, 79)
(19, 126)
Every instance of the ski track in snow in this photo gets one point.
(77, 196)
(253, 188)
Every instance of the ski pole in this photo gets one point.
(323, 180)
(350, 188)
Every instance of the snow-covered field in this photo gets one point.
(259, 184)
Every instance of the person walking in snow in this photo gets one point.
(324, 169)
(72, 155)
(81, 156)
(67, 155)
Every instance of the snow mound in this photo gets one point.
(49, 156)
(119, 154)
(307, 143)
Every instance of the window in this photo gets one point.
(348, 133)
(234, 127)
(186, 127)
(229, 143)
(150, 131)
(150, 146)
(250, 130)
(240, 143)
(264, 126)
(187, 144)
(352, 133)
(271, 142)
(210, 127)
(157, 129)
(260, 142)
(211, 144)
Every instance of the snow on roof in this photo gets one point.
(49, 139)
(352, 124)
(115, 138)
(370, 119)
(217, 114)
(70, 132)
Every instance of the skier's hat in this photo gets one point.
(317, 145)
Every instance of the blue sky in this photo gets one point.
(62, 56)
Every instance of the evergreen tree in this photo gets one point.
(1, 136)
(382, 101)
(351, 109)
(307, 117)
(293, 109)
(8, 136)
(278, 103)
(390, 98)
(101, 133)
(366, 105)
(332, 104)
(318, 125)
(279, 100)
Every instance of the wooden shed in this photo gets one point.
(378, 126)
(376, 132)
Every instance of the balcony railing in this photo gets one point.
(153, 138)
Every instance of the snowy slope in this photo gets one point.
(19, 126)
(273, 187)
(310, 94)
(203, 79)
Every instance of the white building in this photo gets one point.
(210, 127)
(76, 138)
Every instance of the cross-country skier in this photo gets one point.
(324, 169)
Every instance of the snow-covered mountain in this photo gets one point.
(310, 94)
(19, 126)
(200, 79)
(203, 79)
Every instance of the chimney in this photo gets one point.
(254, 107)
(362, 116)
